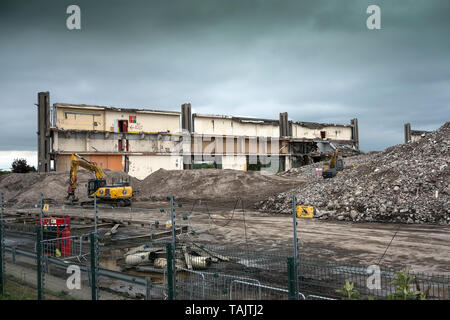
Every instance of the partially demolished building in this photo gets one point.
(413, 135)
(141, 141)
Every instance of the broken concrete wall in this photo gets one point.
(112, 162)
(332, 132)
(142, 166)
(234, 162)
(79, 118)
(223, 125)
(85, 117)
(141, 121)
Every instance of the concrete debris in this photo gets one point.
(407, 183)
(193, 256)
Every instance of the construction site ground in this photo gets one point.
(420, 247)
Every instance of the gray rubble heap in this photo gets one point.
(407, 183)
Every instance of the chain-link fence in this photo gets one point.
(322, 278)
(231, 273)
(2, 247)
(221, 272)
(166, 263)
(202, 272)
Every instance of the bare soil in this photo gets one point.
(213, 184)
(421, 248)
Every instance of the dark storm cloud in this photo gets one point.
(314, 59)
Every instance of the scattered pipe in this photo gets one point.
(162, 263)
(138, 258)
(198, 262)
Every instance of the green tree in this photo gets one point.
(21, 166)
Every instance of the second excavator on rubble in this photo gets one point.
(334, 166)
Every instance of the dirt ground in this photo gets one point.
(212, 184)
(421, 248)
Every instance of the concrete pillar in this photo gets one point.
(43, 132)
(186, 126)
(407, 132)
(186, 117)
(355, 132)
(288, 163)
(284, 125)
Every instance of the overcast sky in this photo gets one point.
(314, 59)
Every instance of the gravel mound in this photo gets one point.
(23, 189)
(407, 183)
(212, 184)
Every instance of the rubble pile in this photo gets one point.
(309, 171)
(407, 183)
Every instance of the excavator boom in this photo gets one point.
(78, 161)
(334, 166)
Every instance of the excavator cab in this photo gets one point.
(94, 185)
(339, 165)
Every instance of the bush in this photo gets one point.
(404, 288)
(21, 166)
(3, 172)
(348, 292)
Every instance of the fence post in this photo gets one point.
(174, 244)
(39, 262)
(93, 268)
(41, 213)
(148, 286)
(95, 213)
(89, 275)
(291, 279)
(170, 283)
(296, 263)
(2, 252)
(14, 255)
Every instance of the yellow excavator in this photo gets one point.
(334, 166)
(117, 194)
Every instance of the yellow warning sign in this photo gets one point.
(305, 211)
(46, 207)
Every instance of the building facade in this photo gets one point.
(141, 141)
